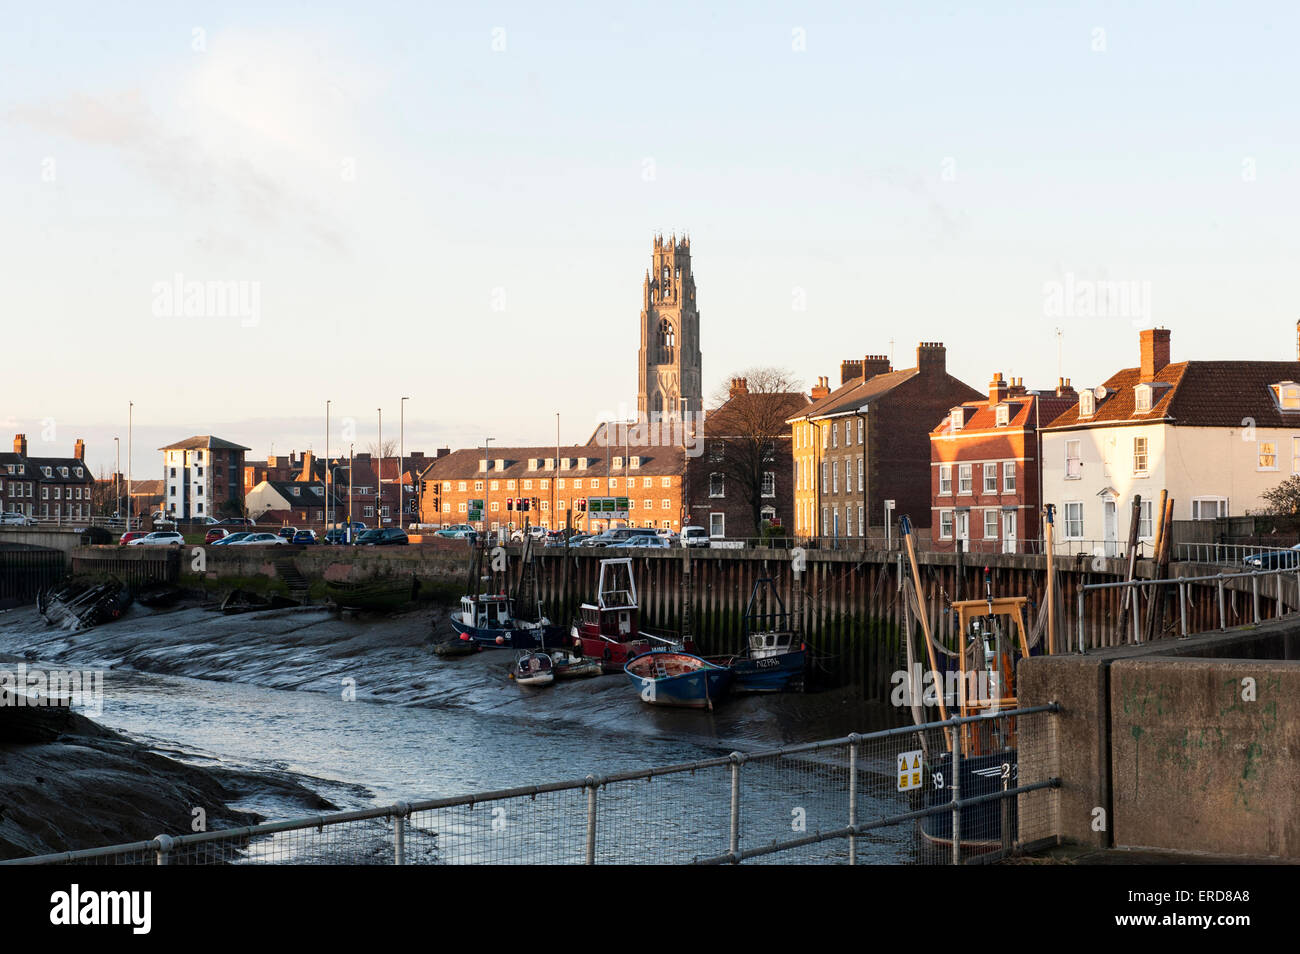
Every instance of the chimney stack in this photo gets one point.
(1155, 352)
(739, 386)
(850, 370)
(821, 389)
(874, 364)
(79, 449)
(931, 357)
(306, 466)
(997, 389)
(20, 444)
(1064, 388)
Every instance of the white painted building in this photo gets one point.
(1215, 434)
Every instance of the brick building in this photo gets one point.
(986, 467)
(868, 441)
(651, 479)
(200, 476)
(46, 488)
(745, 440)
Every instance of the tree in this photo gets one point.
(741, 434)
(1282, 500)
(387, 449)
(231, 507)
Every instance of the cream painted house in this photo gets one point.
(1215, 434)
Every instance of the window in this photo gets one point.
(835, 476)
(963, 524)
(945, 524)
(825, 479)
(958, 418)
(717, 485)
(835, 434)
(577, 484)
(1139, 455)
(649, 504)
(768, 514)
(546, 485)
(1073, 462)
(717, 525)
(862, 527)
(478, 485)
(1003, 415)
(1074, 521)
(528, 485)
(1209, 508)
(990, 524)
(1144, 520)
(496, 485)
(666, 504)
(1087, 404)
(613, 483)
(510, 485)
(495, 506)
(964, 478)
(461, 506)
(945, 478)
(1009, 477)
(848, 521)
(861, 483)
(861, 428)
(665, 482)
(560, 483)
(990, 478)
(645, 482)
(769, 484)
(1267, 455)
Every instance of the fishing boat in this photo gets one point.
(81, 605)
(384, 593)
(533, 669)
(774, 657)
(489, 621)
(569, 666)
(609, 629)
(664, 677)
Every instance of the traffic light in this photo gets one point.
(510, 503)
(525, 503)
(582, 504)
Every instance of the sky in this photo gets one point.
(456, 204)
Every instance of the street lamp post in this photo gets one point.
(117, 474)
(329, 513)
(487, 489)
(379, 488)
(350, 470)
(130, 447)
(401, 464)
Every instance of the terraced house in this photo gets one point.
(1215, 434)
(557, 487)
(46, 488)
(865, 446)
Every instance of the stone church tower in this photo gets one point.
(669, 359)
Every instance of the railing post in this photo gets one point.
(1081, 646)
(736, 759)
(956, 787)
(1137, 614)
(591, 819)
(1277, 585)
(1182, 608)
(1254, 589)
(400, 811)
(853, 797)
(165, 845)
(1223, 608)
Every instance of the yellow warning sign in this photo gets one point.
(909, 770)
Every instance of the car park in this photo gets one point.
(235, 522)
(215, 534)
(159, 538)
(287, 533)
(232, 538)
(649, 540)
(305, 538)
(130, 535)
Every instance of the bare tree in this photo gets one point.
(387, 449)
(741, 433)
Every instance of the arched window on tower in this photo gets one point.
(667, 341)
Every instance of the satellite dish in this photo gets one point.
(1099, 392)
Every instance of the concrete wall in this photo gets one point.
(65, 540)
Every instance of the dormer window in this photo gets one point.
(958, 418)
(1003, 415)
(1287, 395)
(46, 471)
(296, 491)
(1142, 397)
(565, 463)
(500, 463)
(63, 471)
(634, 461)
(550, 463)
(80, 473)
(1087, 404)
(532, 463)
(618, 463)
(482, 465)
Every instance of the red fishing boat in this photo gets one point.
(610, 628)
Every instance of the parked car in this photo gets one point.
(159, 538)
(617, 535)
(694, 537)
(384, 537)
(651, 540)
(336, 536)
(215, 534)
(232, 538)
(287, 533)
(261, 540)
(537, 533)
(305, 538)
(236, 522)
(1274, 559)
(457, 532)
(13, 518)
(129, 536)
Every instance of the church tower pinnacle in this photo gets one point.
(669, 375)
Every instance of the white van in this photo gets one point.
(695, 537)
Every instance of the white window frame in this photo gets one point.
(1008, 476)
(1262, 454)
(990, 478)
(769, 484)
(719, 520)
(1141, 456)
(1072, 514)
(1074, 463)
(991, 520)
(965, 479)
(722, 485)
(1221, 507)
(945, 479)
(945, 524)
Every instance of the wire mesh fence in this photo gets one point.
(966, 789)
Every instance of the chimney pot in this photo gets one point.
(1155, 352)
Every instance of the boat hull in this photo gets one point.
(981, 825)
(515, 637)
(783, 673)
(698, 688)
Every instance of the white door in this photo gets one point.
(1109, 522)
(963, 527)
(1009, 532)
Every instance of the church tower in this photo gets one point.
(669, 376)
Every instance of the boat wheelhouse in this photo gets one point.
(610, 628)
(489, 620)
(775, 657)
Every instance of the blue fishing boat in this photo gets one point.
(774, 656)
(669, 678)
(489, 620)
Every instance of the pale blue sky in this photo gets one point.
(916, 172)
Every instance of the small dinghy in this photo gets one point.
(533, 669)
(668, 678)
(569, 666)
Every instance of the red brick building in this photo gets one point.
(46, 488)
(986, 469)
(868, 442)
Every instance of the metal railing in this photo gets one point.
(1183, 583)
(1236, 554)
(882, 797)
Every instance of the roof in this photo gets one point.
(1022, 413)
(147, 487)
(1196, 394)
(464, 464)
(205, 441)
(856, 395)
(54, 463)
